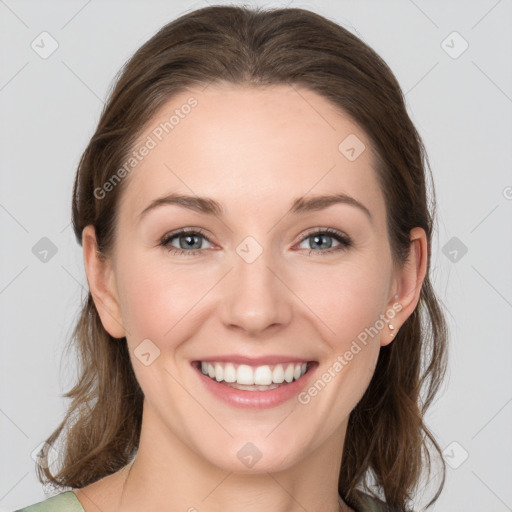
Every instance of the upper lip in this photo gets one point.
(253, 361)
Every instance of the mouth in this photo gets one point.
(254, 386)
(253, 378)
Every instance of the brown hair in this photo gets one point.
(387, 439)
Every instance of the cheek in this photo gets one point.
(347, 302)
(144, 298)
(346, 298)
(158, 300)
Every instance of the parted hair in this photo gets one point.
(388, 448)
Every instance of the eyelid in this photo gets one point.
(176, 232)
(325, 230)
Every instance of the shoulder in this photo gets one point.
(63, 502)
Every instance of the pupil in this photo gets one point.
(189, 240)
(320, 237)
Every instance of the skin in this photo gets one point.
(254, 151)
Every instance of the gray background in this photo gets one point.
(461, 107)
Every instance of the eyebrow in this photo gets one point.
(300, 205)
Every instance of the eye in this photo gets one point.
(321, 238)
(187, 239)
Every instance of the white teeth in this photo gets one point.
(254, 388)
(245, 375)
(278, 374)
(263, 376)
(219, 372)
(229, 373)
(288, 373)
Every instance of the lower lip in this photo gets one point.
(256, 399)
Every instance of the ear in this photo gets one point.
(408, 282)
(100, 276)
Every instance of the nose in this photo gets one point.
(255, 298)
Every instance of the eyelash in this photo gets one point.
(345, 241)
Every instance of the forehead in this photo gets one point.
(252, 146)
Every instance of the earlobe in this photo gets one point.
(408, 283)
(101, 279)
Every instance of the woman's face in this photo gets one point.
(259, 281)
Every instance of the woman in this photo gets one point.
(228, 360)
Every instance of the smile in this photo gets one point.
(259, 387)
(253, 376)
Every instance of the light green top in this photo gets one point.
(68, 502)
(63, 502)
